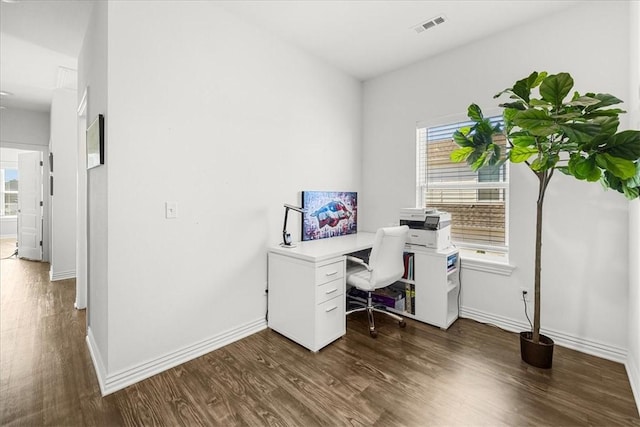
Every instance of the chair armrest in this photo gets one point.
(359, 261)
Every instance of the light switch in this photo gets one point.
(171, 209)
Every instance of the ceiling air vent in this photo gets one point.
(430, 23)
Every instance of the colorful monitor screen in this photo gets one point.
(329, 214)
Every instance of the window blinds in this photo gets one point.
(477, 201)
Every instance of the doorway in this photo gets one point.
(23, 201)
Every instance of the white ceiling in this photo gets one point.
(369, 38)
(363, 38)
(39, 45)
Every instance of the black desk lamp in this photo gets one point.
(286, 236)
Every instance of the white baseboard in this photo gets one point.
(592, 347)
(112, 382)
(633, 373)
(61, 275)
(99, 367)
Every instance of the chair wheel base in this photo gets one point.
(374, 334)
(402, 324)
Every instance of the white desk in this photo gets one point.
(307, 287)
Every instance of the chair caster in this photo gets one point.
(374, 334)
(402, 324)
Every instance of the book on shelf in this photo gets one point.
(409, 297)
(452, 261)
(408, 266)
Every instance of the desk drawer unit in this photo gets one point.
(306, 299)
(329, 290)
(329, 272)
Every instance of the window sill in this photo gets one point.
(487, 266)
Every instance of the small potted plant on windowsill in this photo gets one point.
(577, 136)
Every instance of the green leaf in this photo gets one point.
(541, 76)
(599, 113)
(537, 122)
(634, 182)
(521, 154)
(540, 163)
(523, 141)
(495, 155)
(580, 132)
(619, 167)
(587, 169)
(625, 144)
(574, 159)
(629, 192)
(480, 161)
(475, 113)
(605, 100)
(460, 138)
(597, 143)
(461, 154)
(565, 117)
(584, 101)
(519, 105)
(540, 103)
(555, 88)
(608, 125)
(594, 175)
(522, 88)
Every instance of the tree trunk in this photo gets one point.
(544, 179)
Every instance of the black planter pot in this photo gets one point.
(539, 355)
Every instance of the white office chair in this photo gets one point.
(385, 266)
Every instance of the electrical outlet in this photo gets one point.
(170, 210)
(528, 294)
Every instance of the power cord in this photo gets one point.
(15, 253)
(459, 282)
(524, 300)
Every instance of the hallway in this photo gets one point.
(42, 380)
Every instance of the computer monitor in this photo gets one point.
(329, 214)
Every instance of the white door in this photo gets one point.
(30, 205)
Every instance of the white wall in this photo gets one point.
(92, 75)
(633, 358)
(585, 268)
(230, 123)
(64, 146)
(24, 127)
(28, 130)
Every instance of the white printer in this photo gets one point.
(427, 227)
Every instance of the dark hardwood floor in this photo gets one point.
(418, 376)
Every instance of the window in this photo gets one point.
(477, 201)
(9, 192)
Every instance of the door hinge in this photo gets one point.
(40, 242)
(41, 164)
(41, 203)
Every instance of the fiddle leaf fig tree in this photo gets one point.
(552, 130)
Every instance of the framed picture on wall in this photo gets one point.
(95, 143)
(329, 213)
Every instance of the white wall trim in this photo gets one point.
(583, 345)
(634, 379)
(62, 275)
(99, 367)
(476, 264)
(111, 383)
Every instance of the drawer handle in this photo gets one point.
(331, 309)
(332, 273)
(331, 291)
